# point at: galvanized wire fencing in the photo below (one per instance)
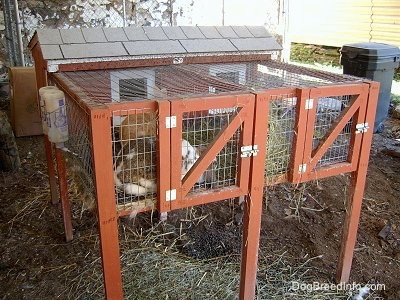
(12, 37)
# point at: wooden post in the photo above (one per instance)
(299, 134)
(65, 205)
(51, 170)
(41, 81)
(358, 179)
(253, 205)
(163, 159)
(106, 203)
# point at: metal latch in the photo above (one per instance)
(250, 150)
(362, 127)
(170, 122)
(302, 168)
(309, 103)
(170, 195)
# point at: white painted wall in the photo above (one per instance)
(339, 22)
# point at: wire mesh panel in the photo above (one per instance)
(273, 74)
(151, 12)
(95, 13)
(165, 82)
(79, 152)
(332, 140)
(199, 129)
(328, 112)
(12, 38)
(134, 144)
(281, 122)
(210, 148)
(180, 81)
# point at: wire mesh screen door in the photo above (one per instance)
(282, 132)
(141, 147)
(210, 149)
(334, 117)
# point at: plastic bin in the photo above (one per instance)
(377, 62)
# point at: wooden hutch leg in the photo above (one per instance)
(65, 204)
(41, 81)
(51, 170)
(250, 245)
(358, 179)
(351, 222)
(106, 203)
(253, 204)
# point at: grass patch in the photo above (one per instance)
(395, 99)
(315, 54)
(323, 55)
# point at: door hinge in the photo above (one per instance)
(250, 150)
(309, 103)
(170, 195)
(362, 127)
(170, 122)
(302, 168)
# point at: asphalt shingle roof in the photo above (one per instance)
(74, 43)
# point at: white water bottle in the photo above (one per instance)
(56, 110)
(43, 113)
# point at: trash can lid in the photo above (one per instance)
(371, 51)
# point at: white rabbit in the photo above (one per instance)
(190, 155)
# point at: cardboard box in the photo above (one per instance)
(25, 116)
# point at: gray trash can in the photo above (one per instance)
(377, 62)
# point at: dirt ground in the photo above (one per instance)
(301, 223)
(306, 221)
